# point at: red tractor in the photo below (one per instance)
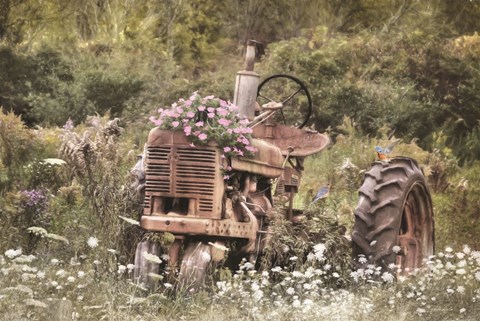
(187, 195)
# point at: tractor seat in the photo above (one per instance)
(304, 142)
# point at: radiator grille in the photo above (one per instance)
(158, 170)
(183, 172)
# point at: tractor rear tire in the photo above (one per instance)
(196, 263)
(394, 218)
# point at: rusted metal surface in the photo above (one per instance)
(303, 142)
(267, 161)
(199, 226)
(414, 227)
(181, 179)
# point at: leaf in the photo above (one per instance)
(54, 161)
(56, 237)
(219, 246)
(129, 220)
(35, 303)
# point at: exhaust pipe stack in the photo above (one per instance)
(246, 84)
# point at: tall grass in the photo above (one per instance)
(81, 266)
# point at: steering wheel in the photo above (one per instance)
(292, 93)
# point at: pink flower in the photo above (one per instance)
(251, 149)
(224, 122)
(157, 122)
(201, 108)
(244, 122)
(175, 124)
(202, 136)
(190, 114)
(227, 149)
(188, 103)
(225, 177)
(187, 130)
(194, 95)
(209, 97)
(199, 124)
(179, 110)
(222, 111)
(211, 115)
(223, 103)
(211, 109)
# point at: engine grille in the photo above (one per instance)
(184, 172)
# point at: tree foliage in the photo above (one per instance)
(409, 64)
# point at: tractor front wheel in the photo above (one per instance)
(146, 270)
(196, 263)
(394, 218)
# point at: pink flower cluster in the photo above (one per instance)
(204, 119)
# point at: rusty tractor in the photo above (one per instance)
(185, 193)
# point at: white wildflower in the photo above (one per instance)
(461, 271)
(388, 277)
(71, 279)
(92, 242)
(396, 249)
(462, 310)
(121, 269)
(477, 275)
(335, 275)
(362, 260)
(421, 311)
(54, 283)
(40, 275)
(167, 285)
(460, 255)
(165, 257)
(54, 261)
(448, 249)
(293, 258)
(311, 257)
(13, 253)
(130, 267)
(290, 291)
(461, 289)
(297, 274)
(80, 274)
(276, 269)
